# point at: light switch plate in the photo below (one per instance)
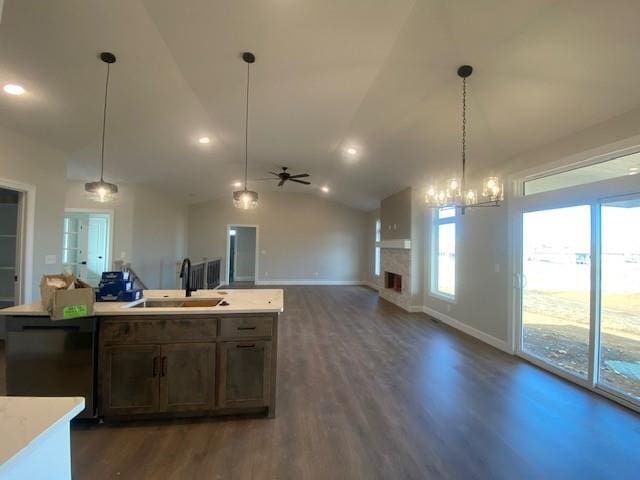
(50, 259)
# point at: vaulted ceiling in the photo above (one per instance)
(374, 75)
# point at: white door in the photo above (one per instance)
(85, 250)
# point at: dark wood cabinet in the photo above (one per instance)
(187, 380)
(245, 372)
(130, 379)
(157, 366)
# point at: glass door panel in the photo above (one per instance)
(620, 297)
(556, 287)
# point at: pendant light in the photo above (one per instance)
(455, 192)
(246, 199)
(102, 191)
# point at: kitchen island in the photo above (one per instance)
(167, 355)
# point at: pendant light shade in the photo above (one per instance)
(102, 191)
(246, 199)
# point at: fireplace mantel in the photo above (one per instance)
(403, 244)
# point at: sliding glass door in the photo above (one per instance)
(619, 362)
(579, 292)
(556, 313)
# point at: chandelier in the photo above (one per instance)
(455, 193)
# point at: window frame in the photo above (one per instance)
(434, 254)
(377, 252)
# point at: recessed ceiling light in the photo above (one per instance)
(351, 151)
(13, 89)
(633, 169)
(204, 140)
(237, 184)
(325, 189)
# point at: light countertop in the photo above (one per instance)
(23, 420)
(239, 300)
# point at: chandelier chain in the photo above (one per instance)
(104, 125)
(246, 132)
(464, 130)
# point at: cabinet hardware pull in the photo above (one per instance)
(247, 328)
(164, 366)
(155, 366)
(252, 345)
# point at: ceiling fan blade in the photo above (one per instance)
(281, 182)
(300, 181)
(300, 175)
(274, 173)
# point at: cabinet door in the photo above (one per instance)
(245, 369)
(130, 379)
(187, 381)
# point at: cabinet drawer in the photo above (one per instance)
(159, 330)
(246, 326)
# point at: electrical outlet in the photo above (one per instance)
(496, 268)
(266, 274)
(448, 308)
(316, 274)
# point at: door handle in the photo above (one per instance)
(164, 367)
(155, 366)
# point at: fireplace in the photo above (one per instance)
(393, 281)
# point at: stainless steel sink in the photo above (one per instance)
(175, 303)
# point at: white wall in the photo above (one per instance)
(27, 161)
(482, 242)
(149, 230)
(301, 237)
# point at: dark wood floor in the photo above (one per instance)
(368, 391)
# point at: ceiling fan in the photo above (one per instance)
(285, 176)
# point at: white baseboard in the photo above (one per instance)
(309, 282)
(371, 285)
(463, 327)
(244, 279)
(414, 309)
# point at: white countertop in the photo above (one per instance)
(23, 420)
(239, 300)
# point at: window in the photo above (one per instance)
(613, 168)
(376, 266)
(443, 254)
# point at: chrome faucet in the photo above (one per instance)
(187, 280)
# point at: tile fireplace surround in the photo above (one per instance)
(398, 261)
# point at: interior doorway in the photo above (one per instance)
(10, 246)
(242, 254)
(86, 244)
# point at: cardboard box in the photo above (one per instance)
(114, 287)
(127, 296)
(115, 276)
(66, 297)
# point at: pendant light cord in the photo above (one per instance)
(464, 131)
(246, 133)
(104, 123)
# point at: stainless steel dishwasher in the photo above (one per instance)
(48, 358)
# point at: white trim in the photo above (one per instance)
(227, 256)
(311, 282)
(414, 308)
(443, 296)
(244, 279)
(463, 327)
(28, 200)
(111, 214)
